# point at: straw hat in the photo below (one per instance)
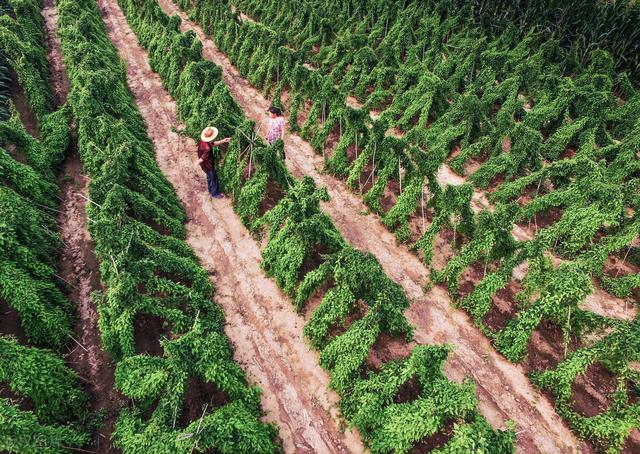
(209, 133)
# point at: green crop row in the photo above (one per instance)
(43, 408)
(152, 278)
(521, 114)
(305, 252)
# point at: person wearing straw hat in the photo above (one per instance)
(205, 158)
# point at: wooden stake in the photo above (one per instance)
(373, 177)
(198, 428)
(114, 264)
(566, 343)
(623, 260)
(422, 206)
(64, 280)
(88, 199)
(535, 216)
(82, 346)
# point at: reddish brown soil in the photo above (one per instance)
(617, 265)
(443, 249)
(633, 392)
(539, 427)
(10, 323)
(387, 348)
(471, 275)
(495, 183)
(148, 331)
(359, 311)
(367, 178)
(303, 113)
(15, 153)
(546, 347)
(471, 164)
(79, 267)
(265, 331)
(59, 79)
(408, 392)
(332, 139)
(542, 220)
(435, 441)
(21, 104)
(273, 195)
(352, 155)
(504, 307)
(200, 395)
(418, 224)
(632, 445)
(591, 390)
(313, 261)
(390, 195)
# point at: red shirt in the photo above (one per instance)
(205, 152)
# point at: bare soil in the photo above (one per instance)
(58, 77)
(200, 396)
(504, 390)
(273, 195)
(78, 265)
(387, 348)
(22, 106)
(504, 307)
(10, 323)
(546, 347)
(263, 327)
(591, 390)
(435, 441)
(148, 330)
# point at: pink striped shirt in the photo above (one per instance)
(276, 128)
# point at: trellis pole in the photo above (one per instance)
(422, 205)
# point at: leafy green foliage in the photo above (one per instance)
(521, 99)
(47, 409)
(147, 268)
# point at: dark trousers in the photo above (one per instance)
(212, 182)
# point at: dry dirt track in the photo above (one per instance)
(503, 388)
(264, 329)
(78, 265)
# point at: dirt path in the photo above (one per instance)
(261, 323)
(78, 264)
(503, 388)
(58, 73)
(80, 268)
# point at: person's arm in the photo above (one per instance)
(220, 142)
(211, 145)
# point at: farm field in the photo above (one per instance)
(441, 255)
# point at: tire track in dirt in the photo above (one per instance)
(78, 264)
(265, 331)
(504, 390)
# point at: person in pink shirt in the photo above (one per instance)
(276, 125)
